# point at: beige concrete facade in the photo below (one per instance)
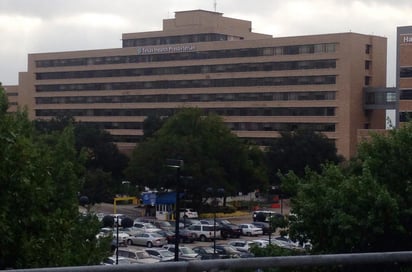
(259, 84)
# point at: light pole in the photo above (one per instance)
(215, 193)
(178, 164)
(127, 186)
(117, 239)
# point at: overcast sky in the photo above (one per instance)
(35, 26)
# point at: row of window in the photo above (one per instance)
(257, 141)
(199, 83)
(162, 98)
(406, 72)
(212, 54)
(243, 126)
(191, 38)
(301, 111)
(198, 69)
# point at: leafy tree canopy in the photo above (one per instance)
(39, 180)
(365, 206)
(297, 150)
(212, 155)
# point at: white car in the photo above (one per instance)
(242, 245)
(188, 213)
(250, 230)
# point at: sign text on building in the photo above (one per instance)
(406, 38)
(165, 49)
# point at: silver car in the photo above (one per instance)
(147, 239)
(162, 255)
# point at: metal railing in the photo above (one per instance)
(400, 257)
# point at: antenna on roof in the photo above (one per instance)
(214, 5)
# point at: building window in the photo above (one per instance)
(367, 64)
(367, 80)
(368, 48)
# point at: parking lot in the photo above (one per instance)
(247, 217)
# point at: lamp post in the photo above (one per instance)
(178, 164)
(219, 192)
(117, 239)
(127, 183)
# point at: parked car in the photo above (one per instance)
(163, 255)
(148, 239)
(250, 230)
(228, 229)
(132, 230)
(232, 252)
(189, 221)
(138, 256)
(285, 242)
(242, 245)
(185, 236)
(207, 253)
(185, 253)
(188, 213)
(204, 232)
(164, 225)
(145, 227)
(120, 260)
(264, 216)
(264, 226)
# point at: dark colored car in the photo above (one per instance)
(264, 226)
(232, 252)
(228, 229)
(207, 253)
(185, 237)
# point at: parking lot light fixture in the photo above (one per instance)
(178, 164)
(219, 192)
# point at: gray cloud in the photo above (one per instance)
(29, 26)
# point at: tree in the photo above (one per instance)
(297, 150)
(104, 163)
(39, 180)
(151, 124)
(212, 155)
(362, 207)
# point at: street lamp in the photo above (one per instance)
(219, 192)
(127, 183)
(178, 164)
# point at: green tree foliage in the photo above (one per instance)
(363, 207)
(151, 124)
(212, 155)
(4, 103)
(104, 163)
(39, 180)
(297, 150)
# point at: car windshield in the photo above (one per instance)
(186, 250)
(165, 224)
(208, 250)
(150, 226)
(224, 221)
(142, 255)
(166, 253)
(156, 235)
(230, 249)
